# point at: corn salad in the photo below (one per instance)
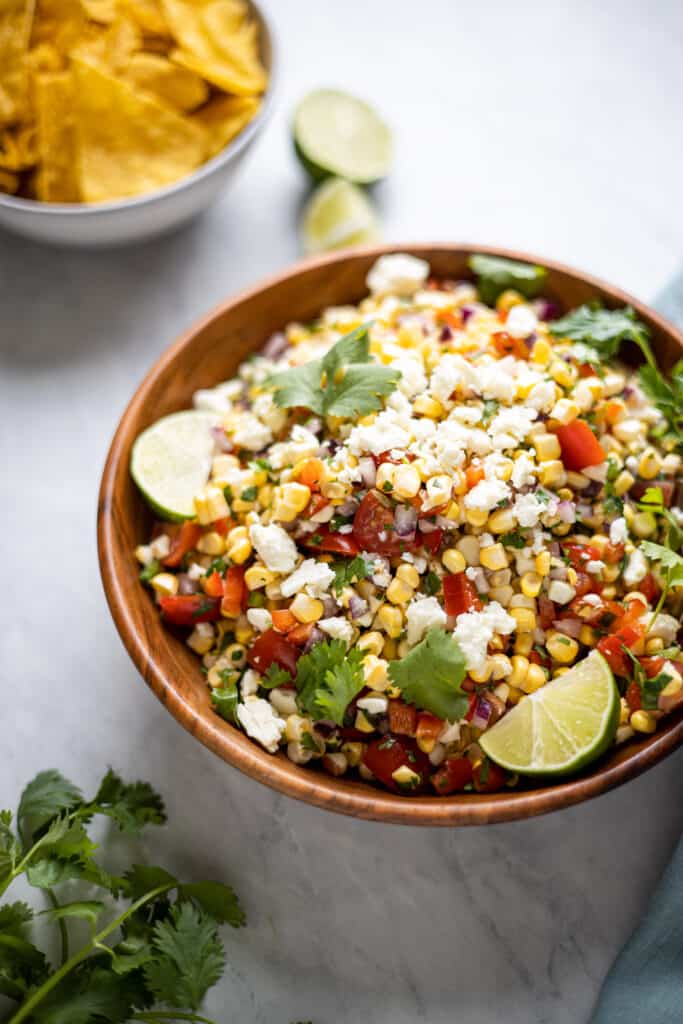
(496, 487)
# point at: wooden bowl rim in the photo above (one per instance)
(358, 800)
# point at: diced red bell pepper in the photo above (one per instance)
(283, 620)
(213, 584)
(649, 588)
(189, 609)
(652, 666)
(271, 647)
(460, 594)
(488, 777)
(580, 554)
(452, 776)
(301, 633)
(506, 345)
(472, 706)
(185, 540)
(580, 447)
(383, 756)
(325, 540)
(402, 718)
(222, 526)
(632, 696)
(613, 553)
(431, 541)
(613, 648)
(234, 592)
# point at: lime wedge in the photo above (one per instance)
(171, 460)
(337, 214)
(338, 134)
(561, 727)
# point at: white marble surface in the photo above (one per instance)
(549, 126)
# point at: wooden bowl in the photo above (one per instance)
(211, 352)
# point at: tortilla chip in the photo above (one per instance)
(110, 47)
(44, 57)
(148, 16)
(224, 117)
(9, 182)
(18, 148)
(219, 41)
(15, 32)
(61, 23)
(173, 85)
(103, 11)
(57, 178)
(128, 142)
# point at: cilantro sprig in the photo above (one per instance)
(430, 676)
(346, 382)
(495, 273)
(672, 567)
(328, 678)
(653, 501)
(162, 949)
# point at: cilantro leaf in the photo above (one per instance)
(22, 966)
(131, 805)
(142, 878)
(345, 382)
(650, 690)
(188, 957)
(668, 559)
(275, 676)
(514, 539)
(87, 910)
(603, 329)
(328, 678)
(225, 699)
(92, 994)
(430, 676)
(62, 853)
(346, 573)
(150, 570)
(495, 274)
(653, 501)
(217, 900)
(431, 584)
(9, 846)
(667, 396)
(46, 796)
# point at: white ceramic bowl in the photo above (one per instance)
(146, 216)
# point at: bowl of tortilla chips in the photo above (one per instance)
(122, 119)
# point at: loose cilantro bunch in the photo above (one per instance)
(495, 274)
(430, 676)
(345, 382)
(604, 330)
(162, 950)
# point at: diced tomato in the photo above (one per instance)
(488, 777)
(317, 503)
(394, 460)
(338, 543)
(385, 755)
(506, 345)
(283, 620)
(431, 541)
(373, 528)
(311, 473)
(613, 553)
(453, 318)
(580, 554)
(586, 584)
(271, 647)
(460, 594)
(546, 612)
(652, 666)
(453, 775)
(402, 718)
(474, 474)
(189, 609)
(429, 726)
(213, 585)
(221, 526)
(632, 696)
(580, 447)
(301, 633)
(184, 541)
(234, 592)
(649, 588)
(586, 370)
(613, 648)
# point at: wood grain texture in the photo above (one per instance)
(211, 352)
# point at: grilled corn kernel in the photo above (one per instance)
(243, 630)
(221, 674)
(295, 727)
(375, 672)
(454, 560)
(390, 619)
(240, 551)
(306, 609)
(547, 447)
(399, 592)
(588, 636)
(493, 557)
(425, 405)
(561, 648)
(334, 490)
(165, 584)
(353, 752)
(373, 643)
(265, 495)
(476, 516)
(531, 583)
(390, 649)
(674, 686)
(502, 594)
(563, 373)
(644, 524)
(564, 411)
(481, 675)
(642, 721)
(654, 646)
(577, 480)
(552, 474)
(541, 352)
(501, 666)
(284, 701)
(649, 465)
(623, 483)
(515, 695)
(572, 579)
(452, 510)
(520, 667)
(624, 712)
(258, 576)
(524, 643)
(211, 543)
(384, 480)
(534, 679)
(289, 501)
(468, 547)
(362, 723)
(507, 299)
(201, 638)
(409, 575)
(501, 521)
(525, 619)
(210, 505)
(542, 563)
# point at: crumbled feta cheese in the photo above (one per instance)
(314, 576)
(523, 471)
(249, 683)
(338, 628)
(511, 426)
(258, 719)
(385, 432)
(542, 396)
(196, 571)
(260, 619)
(446, 377)
(398, 273)
(217, 400)
(423, 614)
(373, 705)
(274, 546)
(413, 378)
(161, 546)
(487, 494)
(595, 566)
(561, 592)
(665, 627)
(250, 433)
(521, 322)
(495, 381)
(302, 444)
(474, 632)
(527, 510)
(636, 568)
(618, 531)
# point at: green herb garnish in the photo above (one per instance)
(249, 493)
(430, 676)
(150, 570)
(275, 676)
(514, 539)
(495, 274)
(653, 501)
(346, 573)
(328, 678)
(431, 584)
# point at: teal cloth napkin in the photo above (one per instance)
(645, 984)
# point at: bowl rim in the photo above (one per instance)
(316, 788)
(205, 170)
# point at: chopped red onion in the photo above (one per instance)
(569, 627)
(186, 585)
(554, 548)
(368, 471)
(405, 521)
(358, 607)
(330, 607)
(446, 333)
(348, 507)
(426, 526)
(275, 346)
(566, 511)
(584, 511)
(545, 309)
(467, 312)
(482, 713)
(316, 636)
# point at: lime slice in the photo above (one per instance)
(171, 460)
(561, 727)
(337, 214)
(338, 134)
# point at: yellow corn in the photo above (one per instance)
(211, 543)
(542, 563)
(476, 516)
(306, 609)
(525, 619)
(535, 678)
(501, 666)
(493, 557)
(563, 373)
(362, 723)
(654, 646)
(588, 636)
(481, 675)
(243, 630)
(372, 642)
(565, 411)
(547, 447)
(375, 672)
(530, 584)
(541, 352)
(201, 640)
(399, 592)
(623, 483)
(240, 551)
(453, 560)
(642, 721)
(289, 501)
(501, 521)
(165, 584)
(353, 752)
(258, 576)
(334, 490)
(524, 643)
(425, 405)
(650, 464)
(644, 524)
(453, 510)
(552, 474)
(210, 504)
(561, 648)
(409, 575)
(384, 480)
(520, 667)
(507, 299)
(390, 619)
